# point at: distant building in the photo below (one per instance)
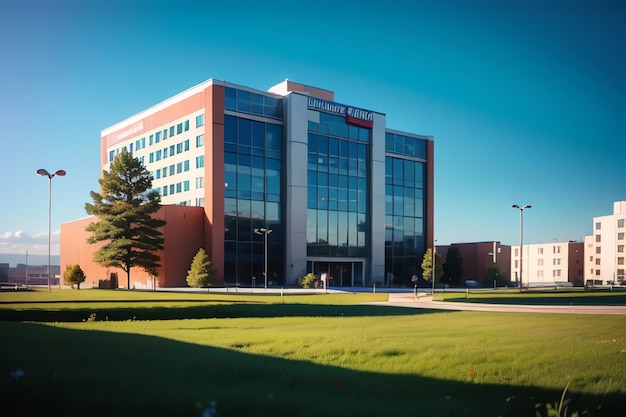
(548, 264)
(605, 253)
(341, 193)
(479, 257)
(4, 272)
(33, 274)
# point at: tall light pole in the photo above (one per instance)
(434, 263)
(264, 231)
(521, 239)
(43, 173)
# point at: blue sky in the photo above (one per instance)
(526, 100)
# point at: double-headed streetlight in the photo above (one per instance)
(42, 172)
(521, 238)
(264, 231)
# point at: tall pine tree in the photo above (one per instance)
(124, 209)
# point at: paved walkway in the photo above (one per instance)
(426, 301)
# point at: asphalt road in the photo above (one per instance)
(425, 301)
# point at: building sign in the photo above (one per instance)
(353, 115)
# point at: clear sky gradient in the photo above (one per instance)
(526, 100)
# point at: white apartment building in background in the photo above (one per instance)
(605, 249)
(548, 264)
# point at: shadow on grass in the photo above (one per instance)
(544, 299)
(231, 310)
(97, 373)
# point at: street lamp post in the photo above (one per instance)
(264, 231)
(43, 173)
(521, 239)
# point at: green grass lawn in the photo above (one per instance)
(538, 296)
(317, 355)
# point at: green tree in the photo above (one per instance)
(124, 209)
(74, 275)
(452, 268)
(201, 273)
(493, 274)
(427, 266)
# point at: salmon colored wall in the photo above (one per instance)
(312, 91)
(214, 176)
(151, 122)
(183, 234)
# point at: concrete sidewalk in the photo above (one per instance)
(426, 301)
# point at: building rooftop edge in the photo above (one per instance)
(161, 105)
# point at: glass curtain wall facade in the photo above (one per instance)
(253, 165)
(405, 241)
(337, 198)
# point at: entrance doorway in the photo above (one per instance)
(341, 274)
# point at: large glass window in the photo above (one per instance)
(337, 189)
(404, 216)
(252, 176)
(405, 145)
(253, 103)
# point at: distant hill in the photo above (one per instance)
(14, 258)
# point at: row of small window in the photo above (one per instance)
(172, 169)
(252, 137)
(555, 261)
(336, 126)
(252, 103)
(405, 145)
(404, 172)
(555, 250)
(168, 132)
(173, 188)
(620, 260)
(620, 224)
(620, 276)
(169, 151)
(620, 236)
(555, 273)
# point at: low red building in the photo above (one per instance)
(478, 257)
(183, 234)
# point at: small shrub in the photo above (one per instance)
(307, 281)
(74, 275)
(201, 273)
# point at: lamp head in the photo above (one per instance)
(44, 173)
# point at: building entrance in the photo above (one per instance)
(341, 274)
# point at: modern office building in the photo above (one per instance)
(553, 263)
(289, 181)
(605, 253)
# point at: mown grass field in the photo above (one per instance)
(541, 296)
(297, 356)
